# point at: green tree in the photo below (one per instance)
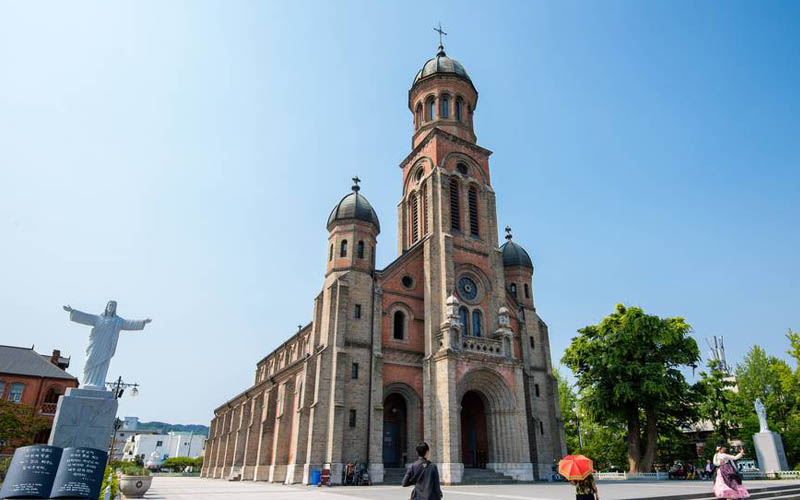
(773, 381)
(604, 443)
(716, 390)
(19, 424)
(631, 364)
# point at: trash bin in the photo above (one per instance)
(316, 477)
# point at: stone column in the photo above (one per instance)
(251, 441)
(265, 437)
(295, 472)
(239, 435)
(282, 433)
(448, 446)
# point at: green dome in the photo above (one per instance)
(354, 207)
(514, 255)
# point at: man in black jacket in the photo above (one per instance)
(424, 475)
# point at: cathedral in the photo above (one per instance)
(444, 344)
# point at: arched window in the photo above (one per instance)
(459, 109)
(372, 254)
(399, 325)
(444, 106)
(52, 395)
(15, 392)
(513, 288)
(527, 291)
(343, 249)
(360, 250)
(463, 316)
(455, 216)
(414, 218)
(418, 115)
(330, 254)
(476, 323)
(473, 211)
(430, 109)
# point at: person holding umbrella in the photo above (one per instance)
(578, 470)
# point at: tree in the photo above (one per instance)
(19, 424)
(631, 364)
(716, 389)
(604, 443)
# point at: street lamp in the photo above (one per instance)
(118, 388)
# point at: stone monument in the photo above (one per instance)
(85, 416)
(768, 444)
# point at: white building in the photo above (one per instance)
(163, 446)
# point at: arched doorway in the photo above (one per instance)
(474, 436)
(395, 430)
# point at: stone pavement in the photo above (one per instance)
(191, 488)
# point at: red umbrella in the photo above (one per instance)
(575, 467)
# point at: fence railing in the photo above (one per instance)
(482, 345)
(48, 408)
(659, 476)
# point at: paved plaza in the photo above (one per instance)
(186, 488)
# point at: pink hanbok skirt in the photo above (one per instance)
(722, 490)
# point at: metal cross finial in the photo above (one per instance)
(299, 327)
(508, 233)
(441, 32)
(356, 180)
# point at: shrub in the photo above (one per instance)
(130, 469)
(114, 485)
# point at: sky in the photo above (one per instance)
(182, 159)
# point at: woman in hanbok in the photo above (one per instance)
(727, 480)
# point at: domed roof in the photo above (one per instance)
(513, 254)
(441, 64)
(354, 206)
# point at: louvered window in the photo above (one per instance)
(473, 211)
(423, 194)
(455, 216)
(414, 218)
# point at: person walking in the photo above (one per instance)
(424, 475)
(586, 489)
(709, 470)
(728, 480)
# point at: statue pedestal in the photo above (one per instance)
(769, 451)
(84, 417)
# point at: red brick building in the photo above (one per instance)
(443, 344)
(33, 379)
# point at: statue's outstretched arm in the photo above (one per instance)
(81, 317)
(135, 324)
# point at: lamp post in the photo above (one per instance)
(118, 388)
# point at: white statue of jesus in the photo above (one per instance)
(102, 341)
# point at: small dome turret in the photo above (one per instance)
(514, 254)
(354, 206)
(441, 64)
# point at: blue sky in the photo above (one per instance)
(182, 158)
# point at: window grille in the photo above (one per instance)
(473, 211)
(454, 206)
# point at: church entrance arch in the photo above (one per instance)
(474, 435)
(489, 425)
(401, 424)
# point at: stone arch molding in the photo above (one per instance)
(413, 415)
(491, 387)
(456, 156)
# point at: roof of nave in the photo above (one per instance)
(27, 362)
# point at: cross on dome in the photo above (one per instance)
(441, 41)
(508, 233)
(356, 180)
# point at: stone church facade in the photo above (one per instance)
(444, 344)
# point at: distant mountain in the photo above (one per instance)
(163, 428)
